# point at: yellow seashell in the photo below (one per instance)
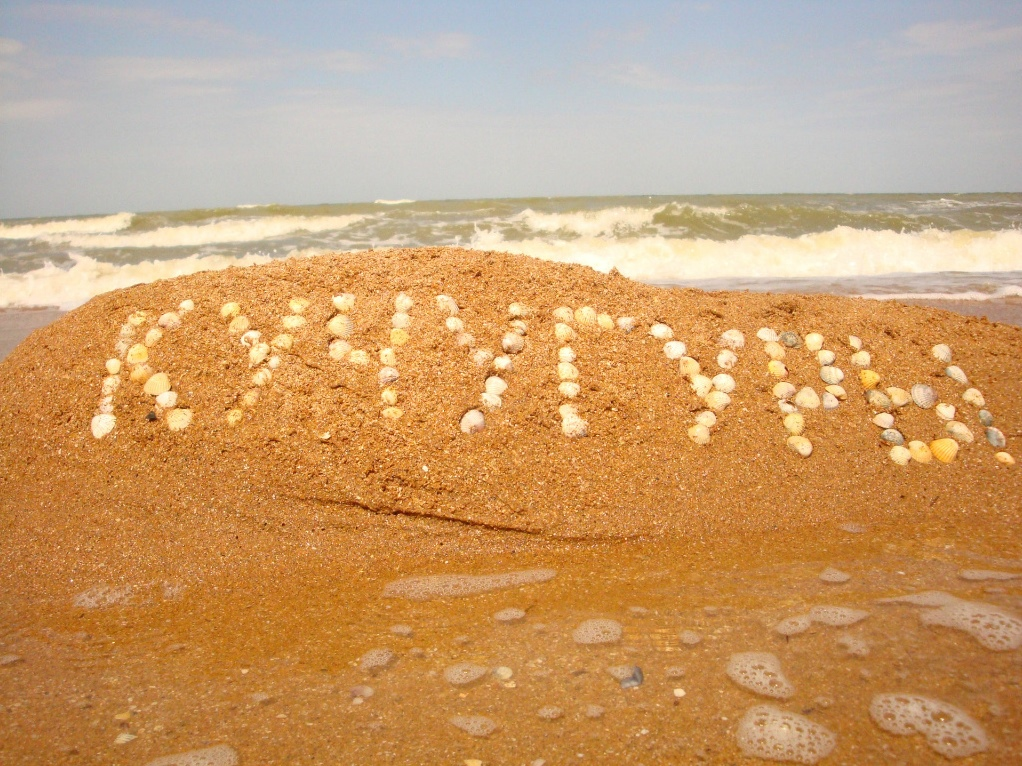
(392, 413)
(340, 326)
(157, 384)
(699, 433)
(388, 357)
(586, 315)
(238, 325)
(179, 419)
(294, 322)
(563, 332)
(257, 354)
(920, 452)
(944, 449)
(398, 336)
(777, 368)
(298, 305)
(234, 417)
(359, 357)
(283, 342)
(801, 445)
(137, 354)
(838, 392)
(389, 395)
(605, 321)
(113, 366)
(689, 366)
(230, 310)
(250, 398)
(869, 379)
(563, 314)
(567, 371)
(141, 373)
(345, 302)
(794, 423)
(137, 319)
(262, 377)
(774, 350)
(1004, 457)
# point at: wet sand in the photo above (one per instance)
(233, 578)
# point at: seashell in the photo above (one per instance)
(564, 333)
(250, 338)
(794, 423)
(985, 418)
(454, 324)
(585, 315)
(868, 379)
(157, 384)
(520, 327)
(567, 371)
(565, 354)
(899, 396)
(238, 325)
(861, 359)
(491, 401)
(974, 397)
(169, 321)
(700, 434)
(449, 306)
(495, 385)
(482, 357)
(465, 340)
(945, 411)
(273, 362)
(626, 323)
(518, 310)
(398, 337)
(257, 354)
(767, 335)
(727, 359)
(814, 341)
(283, 342)
(605, 321)
(923, 395)
(186, 305)
(959, 431)
(688, 366)
(563, 314)
(855, 342)
(878, 399)
(717, 400)
(723, 382)
(892, 436)
(110, 384)
(250, 398)
(675, 349)
(825, 357)
(403, 303)
(472, 422)
(154, 336)
(774, 350)
(942, 353)
(661, 331)
(401, 321)
(344, 303)
(503, 364)
(179, 419)
(996, 438)
(777, 368)
(569, 389)
(701, 385)
(883, 420)
(920, 451)
(230, 310)
(567, 409)
(801, 445)
(234, 417)
(830, 402)
(298, 305)
(831, 375)
(103, 424)
(297, 322)
(574, 427)
(340, 325)
(140, 373)
(900, 455)
(790, 339)
(513, 343)
(106, 406)
(387, 357)
(167, 400)
(121, 348)
(113, 366)
(706, 418)
(786, 407)
(944, 449)
(956, 374)
(262, 377)
(392, 413)
(732, 339)
(838, 392)
(389, 395)
(806, 398)
(784, 390)
(137, 319)
(137, 354)
(1005, 458)
(359, 357)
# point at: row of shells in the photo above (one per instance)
(714, 392)
(263, 358)
(512, 343)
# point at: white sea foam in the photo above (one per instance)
(233, 230)
(588, 223)
(392, 201)
(1007, 291)
(106, 224)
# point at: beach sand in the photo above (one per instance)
(220, 584)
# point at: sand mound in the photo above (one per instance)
(337, 388)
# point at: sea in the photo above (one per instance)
(963, 247)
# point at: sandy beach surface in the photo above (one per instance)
(231, 583)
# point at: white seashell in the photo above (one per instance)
(154, 336)
(262, 377)
(838, 392)
(569, 389)
(974, 397)
(706, 418)
(388, 358)
(732, 339)
(675, 349)
(249, 399)
(626, 323)
(806, 398)
(169, 321)
(491, 401)
(298, 305)
(403, 303)
(400, 321)
(503, 364)
(566, 354)
(794, 423)
(137, 354)
(899, 396)
(106, 405)
(157, 384)
(661, 331)
(723, 382)
(448, 305)
(956, 374)
(605, 321)
(923, 395)
(563, 314)
(520, 327)
(338, 349)
(482, 357)
(472, 422)
(238, 325)
(786, 407)
(701, 385)
(945, 411)
(784, 390)
(340, 326)
(344, 302)
(121, 348)
(179, 419)
(186, 305)
(855, 342)
(688, 366)
(996, 438)
(959, 432)
(878, 399)
(825, 357)
(831, 375)
(257, 354)
(574, 427)
(920, 451)
(110, 384)
(519, 310)
(774, 350)
(861, 359)
(296, 322)
(563, 333)
(230, 310)
(167, 400)
(985, 418)
(777, 368)
(283, 342)
(942, 353)
(727, 359)
(700, 434)
(137, 319)
(359, 357)
(567, 409)
(103, 424)
(389, 395)
(801, 445)
(900, 455)
(250, 338)
(113, 366)
(392, 413)
(454, 324)
(495, 385)
(466, 340)
(883, 420)
(567, 371)
(830, 402)
(585, 315)
(273, 362)
(513, 343)
(767, 335)
(814, 341)
(717, 400)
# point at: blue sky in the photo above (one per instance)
(146, 106)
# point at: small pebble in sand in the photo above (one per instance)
(376, 659)
(401, 630)
(594, 711)
(362, 692)
(831, 575)
(9, 659)
(550, 713)
(689, 637)
(510, 615)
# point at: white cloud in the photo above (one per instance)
(952, 38)
(33, 109)
(9, 47)
(445, 45)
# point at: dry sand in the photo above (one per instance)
(264, 546)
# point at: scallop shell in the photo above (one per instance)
(786, 407)
(701, 385)
(140, 373)
(250, 398)
(387, 357)
(956, 374)
(861, 359)
(627, 324)
(345, 302)
(389, 395)
(569, 389)
(777, 368)
(465, 340)
(250, 338)
(899, 396)
(563, 333)
(110, 384)
(258, 353)
(399, 337)
(923, 395)
(340, 326)
(727, 359)
(794, 423)
(837, 392)
(472, 422)
(699, 433)
(814, 341)
(831, 375)
(766, 334)
(403, 303)
(359, 357)
(454, 324)
(900, 455)
(495, 385)
(942, 353)
(959, 431)
(883, 420)
(717, 400)
(482, 357)
(675, 349)
(186, 305)
(825, 357)
(878, 399)
(230, 310)
(273, 362)
(801, 445)
(283, 342)
(830, 402)
(503, 364)
(605, 321)
(234, 417)
(449, 306)
(298, 305)
(566, 354)
(519, 311)
(392, 413)
(491, 401)
(563, 314)
(774, 350)
(157, 384)
(169, 321)
(688, 366)
(706, 418)
(996, 438)
(585, 315)
(102, 425)
(401, 321)
(855, 342)
(520, 327)
(985, 418)
(167, 400)
(732, 339)
(113, 366)
(137, 354)
(944, 449)
(262, 377)
(661, 331)
(974, 397)
(945, 411)
(1005, 458)
(920, 452)
(892, 436)
(724, 382)
(790, 339)
(294, 322)
(154, 336)
(567, 371)
(179, 419)
(806, 398)
(513, 343)
(783, 390)
(567, 409)
(574, 427)
(868, 379)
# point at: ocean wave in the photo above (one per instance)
(588, 223)
(106, 224)
(393, 201)
(1001, 293)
